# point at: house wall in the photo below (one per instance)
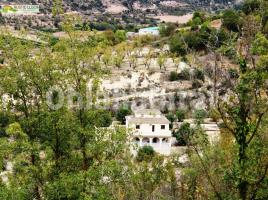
(162, 147)
(149, 32)
(146, 130)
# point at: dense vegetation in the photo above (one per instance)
(70, 153)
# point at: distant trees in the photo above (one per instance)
(177, 45)
(167, 29)
(182, 42)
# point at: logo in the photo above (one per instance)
(7, 9)
(19, 9)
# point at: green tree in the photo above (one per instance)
(244, 118)
(122, 113)
(231, 20)
(200, 115)
(183, 134)
(180, 114)
(161, 60)
(120, 36)
(167, 29)
(177, 45)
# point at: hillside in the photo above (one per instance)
(118, 6)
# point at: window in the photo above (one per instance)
(165, 140)
(136, 140)
(163, 127)
(152, 128)
(156, 140)
(137, 126)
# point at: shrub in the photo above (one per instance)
(184, 75)
(183, 134)
(98, 118)
(231, 20)
(122, 113)
(221, 39)
(167, 29)
(195, 40)
(200, 115)
(171, 117)
(200, 15)
(120, 36)
(199, 74)
(173, 76)
(180, 114)
(214, 114)
(53, 41)
(145, 153)
(177, 45)
(250, 6)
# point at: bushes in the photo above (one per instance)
(53, 41)
(199, 74)
(122, 113)
(173, 76)
(120, 36)
(102, 26)
(171, 117)
(195, 40)
(183, 134)
(199, 115)
(250, 6)
(190, 39)
(184, 74)
(145, 153)
(177, 45)
(98, 118)
(214, 114)
(180, 114)
(167, 29)
(231, 20)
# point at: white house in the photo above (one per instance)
(150, 127)
(149, 31)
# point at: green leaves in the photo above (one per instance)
(260, 45)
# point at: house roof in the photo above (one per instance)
(148, 112)
(148, 120)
